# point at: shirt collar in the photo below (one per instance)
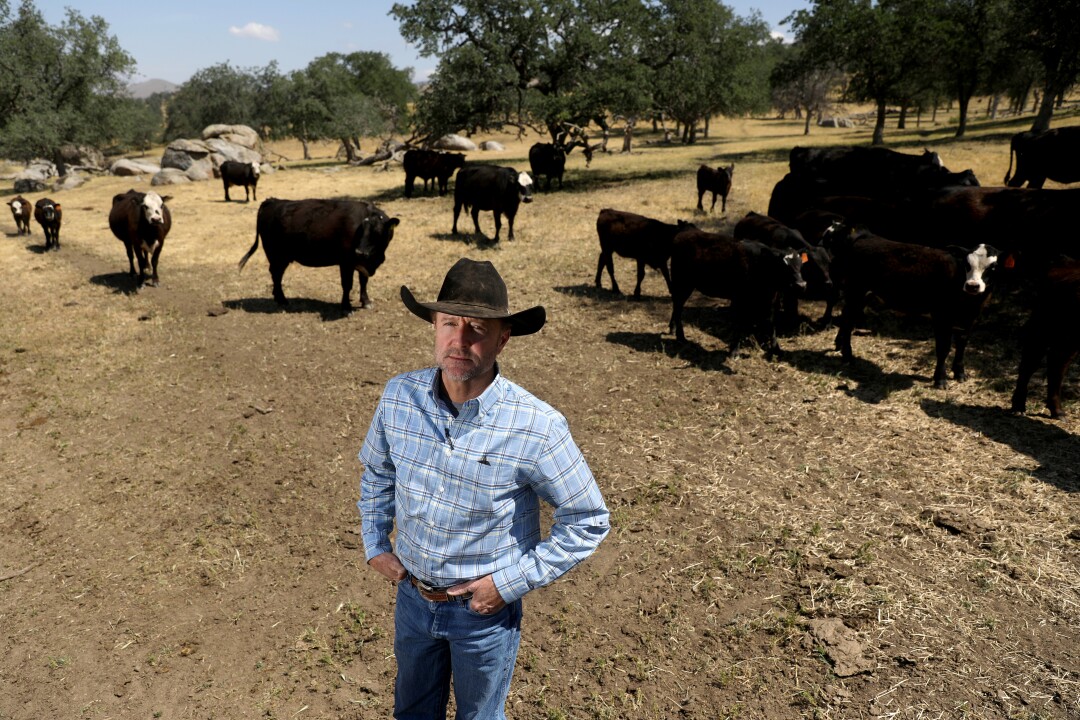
(483, 403)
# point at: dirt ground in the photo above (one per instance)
(798, 538)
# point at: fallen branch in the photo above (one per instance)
(17, 573)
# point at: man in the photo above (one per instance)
(457, 456)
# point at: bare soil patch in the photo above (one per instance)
(799, 538)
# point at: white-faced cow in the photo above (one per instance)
(637, 237)
(750, 274)
(351, 234)
(430, 165)
(1051, 332)
(141, 221)
(717, 181)
(21, 212)
(48, 215)
(1051, 155)
(949, 285)
(240, 173)
(491, 187)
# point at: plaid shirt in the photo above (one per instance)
(464, 491)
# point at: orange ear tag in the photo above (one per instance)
(805, 257)
(1010, 262)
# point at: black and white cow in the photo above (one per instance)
(491, 187)
(48, 215)
(141, 221)
(240, 173)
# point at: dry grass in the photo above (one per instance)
(182, 485)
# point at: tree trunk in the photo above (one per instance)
(806, 125)
(964, 101)
(1046, 111)
(307, 152)
(628, 135)
(901, 123)
(350, 152)
(994, 102)
(705, 130)
(879, 125)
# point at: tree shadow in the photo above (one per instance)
(327, 311)
(689, 351)
(1056, 450)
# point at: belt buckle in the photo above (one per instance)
(425, 587)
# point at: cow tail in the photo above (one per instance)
(254, 247)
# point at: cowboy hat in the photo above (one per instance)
(474, 288)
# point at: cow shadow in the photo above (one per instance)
(121, 283)
(38, 249)
(296, 306)
(602, 294)
(479, 241)
(693, 354)
(1056, 450)
(872, 385)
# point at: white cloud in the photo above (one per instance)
(257, 31)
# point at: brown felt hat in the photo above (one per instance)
(474, 288)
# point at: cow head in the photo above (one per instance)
(793, 261)
(153, 208)
(16, 205)
(48, 209)
(525, 184)
(375, 231)
(932, 158)
(979, 262)
(255, 170)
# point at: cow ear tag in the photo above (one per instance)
(804, 257)
(1010, 262)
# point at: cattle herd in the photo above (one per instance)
(843, 224)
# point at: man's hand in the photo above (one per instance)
(388, 565)
(486, 599)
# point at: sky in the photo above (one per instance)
(171, 40)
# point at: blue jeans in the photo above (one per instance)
(437, 641)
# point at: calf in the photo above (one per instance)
(351, 234)
(750, 274)
(491, 187)
(1050, 155)
(141, 221)
(239, 173)
(816, 262)
(638, 237)
(714, 180)
(1051, 332)
(549, 160)
(20, 210)
(949, 285)
(48, 216)
(428, 165)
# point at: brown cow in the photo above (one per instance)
(1051, 332)
(637, 237)
(141, 221)
(21, 211)
(428, 165)
(714, 180)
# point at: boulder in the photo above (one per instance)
(491, 145)
(70, 181)
(201, 169)
(170, 176)
(35, 177)
(82, 156)
(836, 122)
(126, 167)
(29, 185)
(241, 135)
(225, 150)
(454, 142)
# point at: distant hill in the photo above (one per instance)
(147, 88)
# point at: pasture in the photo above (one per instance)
(791, 538)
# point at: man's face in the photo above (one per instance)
(466, 348)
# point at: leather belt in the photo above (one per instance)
(435, 594)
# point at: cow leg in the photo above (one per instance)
(1057, 362)
(277, 272)
(246, 198)
(410, 180)
(667, 276)
(943, 334)
(457, 211)
(498, 226)
(700, 195)
(723, 203)
(958, 371)
(227, 191)
(131, 258)
(476, 222)
(154, 262)
(509, 224)
(640, 277)
(678, 299)
(606, 260)
(253, 195)
(365, 301)
(713, 206)
(346, 288)
(850, 316)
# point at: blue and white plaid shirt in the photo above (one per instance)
(464, 491)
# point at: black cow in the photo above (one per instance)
(637, 237)
(48, 215)
(950, 285)
(491, 187)
(240, 173)
(1051, 155)
(351, 234)
(549, 160)
(750, 274)
(21, 212)
(141, 221)
(816, 262)
(428, 165)
(1051, 332)
(717, 181)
